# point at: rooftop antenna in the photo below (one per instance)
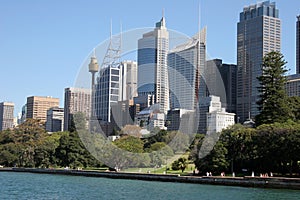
(110, 29)
(199, 22)
(121, 33)
(163, 12)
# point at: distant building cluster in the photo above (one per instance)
(170, 89)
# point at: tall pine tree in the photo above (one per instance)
(273, 102)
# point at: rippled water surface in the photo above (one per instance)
(45, 186)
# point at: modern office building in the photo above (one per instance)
(107, 93)
(176, 120)
(153, 50)
(76, 100)
(216, 69)
(37, 107)
(298, 45)
(144, 100)
(55, 120)
(187, 72)
(6, 115)
(128, 72)
(258, 32)
(292, 86)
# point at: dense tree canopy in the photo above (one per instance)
(273, 102)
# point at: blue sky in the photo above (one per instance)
(44, 43)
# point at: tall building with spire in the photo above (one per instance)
(186, 68)
(153, 50)
(298, 45)
(258, 32)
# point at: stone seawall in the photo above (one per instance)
(271, 182)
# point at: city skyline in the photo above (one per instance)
(39, 48)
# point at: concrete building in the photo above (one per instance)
(207, 105)
(298, 45)
(258, 32)
(122, 114)
(227, 73)
(213, 118)
(292, 87)
(55, 120)
(76, 100)
(153, 50)
(6, 115)
(187, 72)
(128, 80)
(37, 107)
(219, 120)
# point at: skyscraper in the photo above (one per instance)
(107, 93)
(186, 70)
(37, 107)
(153, 50)
(128, 77)
(258, 32)
(298, 44)
(228, 75)
(6, 115)
(76, 100)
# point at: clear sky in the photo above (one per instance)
(44, 43)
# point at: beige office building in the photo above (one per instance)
(76, 100)
(37, 107)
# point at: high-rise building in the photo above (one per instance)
(186, 72)
(153, 50)
(128, 78)
(298, 44)
(227, 73)
(107, 93)
(6, 115)
(76, 100)
(258, 32)
(292, 86)
(37, 107)
(55, 120)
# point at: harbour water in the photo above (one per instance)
(15, 185)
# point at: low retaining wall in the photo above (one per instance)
(271, 182)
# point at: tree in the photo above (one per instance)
(294, 103)
(215, 161)
(272, 103)
(181, 164)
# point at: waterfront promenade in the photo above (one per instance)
(260, 182)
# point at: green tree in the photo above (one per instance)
(181, 164)
(273, 98)
(215, 161)
(294, 104)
